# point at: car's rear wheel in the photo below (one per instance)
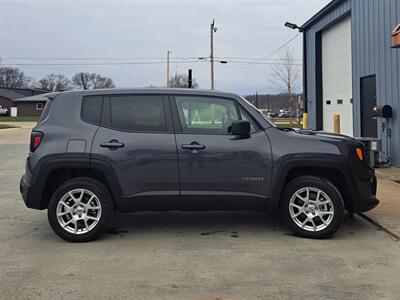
(80, 210)
(312, 207)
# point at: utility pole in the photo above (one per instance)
(83, 81)
(168, 54)
(256, 99)
(212, 30)
(190, 79)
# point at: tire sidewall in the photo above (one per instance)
(323, 185)
(106, 208)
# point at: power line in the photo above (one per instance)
(136, 58)
(268, 56)
(101, 63)
(95, 58)
(143, 63)
(255, 58)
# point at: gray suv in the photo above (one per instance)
(93, 152)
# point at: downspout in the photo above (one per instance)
(304, 71)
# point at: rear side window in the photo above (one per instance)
(91, 109)
(144, 113)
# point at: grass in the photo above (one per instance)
(19, 119)
(288, 125)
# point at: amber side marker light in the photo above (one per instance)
(359, 153)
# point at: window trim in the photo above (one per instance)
(107, 114)
(177, 121)
(37, 106)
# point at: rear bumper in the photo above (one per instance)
(30, 194)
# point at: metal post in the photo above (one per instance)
(336, 123)
(305, 120)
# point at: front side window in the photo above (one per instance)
(143, 113)
(206, 114)
(245, 116)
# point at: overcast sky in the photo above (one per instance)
(143, 31)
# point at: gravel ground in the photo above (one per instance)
(204, 255)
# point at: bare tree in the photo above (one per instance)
(13, 78)
(88, 81)
(181, 81)
(55, 83)
(287, 76)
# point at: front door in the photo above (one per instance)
(137, 139)
(369, 125)
(218, 170)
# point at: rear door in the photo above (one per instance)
(218, 170)
(137, 139)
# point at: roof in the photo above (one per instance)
(35, 98)
(9, 94)
(396, 30)
(144, 91)
(320, 14)
(15, 93)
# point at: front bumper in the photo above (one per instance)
(366, 192)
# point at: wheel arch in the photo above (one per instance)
(332, 169)
(54, 171)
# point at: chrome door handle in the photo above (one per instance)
(112, 144)
(193, 147)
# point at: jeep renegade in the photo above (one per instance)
(93, 152)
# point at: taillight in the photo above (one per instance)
(36, 140)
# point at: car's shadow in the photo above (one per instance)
(212, 222)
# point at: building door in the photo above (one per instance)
(369, 125)
(337, 87)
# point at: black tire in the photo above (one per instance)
(317, 183)
(103, 197)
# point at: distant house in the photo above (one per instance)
(31, 106)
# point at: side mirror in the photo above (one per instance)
(241, 128)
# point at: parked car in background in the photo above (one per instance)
(274, 115)
(3, 111)
(93, 152)
(284, 115)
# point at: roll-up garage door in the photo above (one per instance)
(337, 76)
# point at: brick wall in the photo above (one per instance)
(6, 103)
(29, 108)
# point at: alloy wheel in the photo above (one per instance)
(311, 209)
(78, 211)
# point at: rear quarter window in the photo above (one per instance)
(91, 109)
(45, 111)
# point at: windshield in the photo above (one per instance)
(264, 116)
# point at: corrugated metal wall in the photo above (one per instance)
(310, 35)
(372, 22)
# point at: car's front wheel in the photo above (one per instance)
(80, 210)
(312, 207)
